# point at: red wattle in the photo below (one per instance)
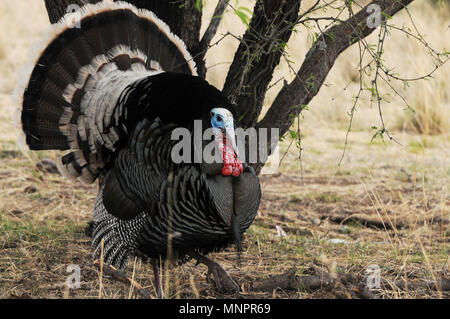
(231, 164)
(227, 170)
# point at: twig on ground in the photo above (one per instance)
(343, 284)
(120, 276)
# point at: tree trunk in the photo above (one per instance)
(183, 18)
(56, 9)
(258, 54)
(260, 51)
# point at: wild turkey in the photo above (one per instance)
(112, 87)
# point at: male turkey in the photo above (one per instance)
(111, 86)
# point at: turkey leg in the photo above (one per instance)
(222, 279)
(158, 279)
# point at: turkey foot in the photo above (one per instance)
(222, 279)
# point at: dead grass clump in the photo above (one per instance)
(431, 111)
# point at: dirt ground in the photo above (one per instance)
(387, 206)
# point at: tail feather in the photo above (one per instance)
(70, 97)
(120, 237)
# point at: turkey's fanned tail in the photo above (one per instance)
(69, 95)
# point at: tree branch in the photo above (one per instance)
(319, 61)
(209, 34)
(258, 54)
(214, 24)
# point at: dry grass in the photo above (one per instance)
(384, 213)
(430, 114)
(389, 204)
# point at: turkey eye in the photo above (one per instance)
(219, 118)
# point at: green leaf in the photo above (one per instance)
(244, 14)
(243, 17)
(246, 9)
(372, 90)
(387, 16)
(294, 134)
(445, 53)
(199, 5)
